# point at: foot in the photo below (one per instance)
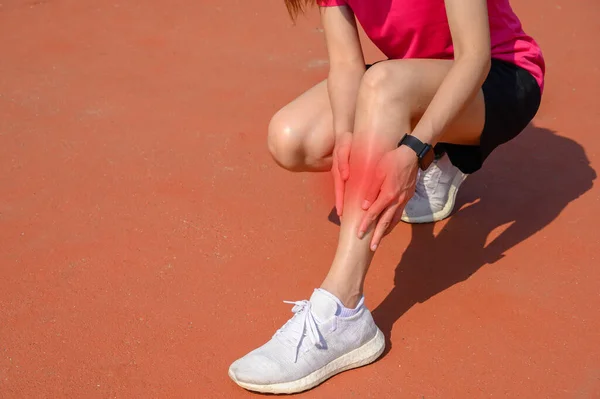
(314, 345)
(435, 194)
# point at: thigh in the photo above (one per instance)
(512, 98)
(414, 82)
(308, 121)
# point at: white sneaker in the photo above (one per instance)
(435, 193)
(314, 345)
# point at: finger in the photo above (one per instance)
(385, 221)
(343, 161)
(340, 197)
(402, 201)
(395, 220)
(374, 189)
(382, 202)
(339, 190)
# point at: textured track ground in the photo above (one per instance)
(147, 239)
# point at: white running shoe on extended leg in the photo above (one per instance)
(315, 344)
(435, 193)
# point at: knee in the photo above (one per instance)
(285, 143)
(387, 83)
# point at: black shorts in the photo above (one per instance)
(512, 98)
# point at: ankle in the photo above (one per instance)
(350, 298)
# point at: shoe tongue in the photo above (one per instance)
(324, 304)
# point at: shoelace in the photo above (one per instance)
(303, 318)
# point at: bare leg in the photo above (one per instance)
(392, 98)
(393, 95)
(301, 137)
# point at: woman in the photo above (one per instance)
(461, 79)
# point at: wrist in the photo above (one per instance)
(423, 137)
(422, 151)
(407, 153)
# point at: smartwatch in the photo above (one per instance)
(424, 151)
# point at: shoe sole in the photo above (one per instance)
(446, 210)
(359, 357)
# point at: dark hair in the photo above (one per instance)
(296, 7)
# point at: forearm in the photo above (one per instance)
(459, 88)
(343, 84)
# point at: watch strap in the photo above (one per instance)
(424, 151)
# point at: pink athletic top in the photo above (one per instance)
(419, 29)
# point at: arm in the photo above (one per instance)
(397, 170)
(346, 68)
(346, 65)
(469, 26)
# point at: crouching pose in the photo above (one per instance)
(460, 79)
